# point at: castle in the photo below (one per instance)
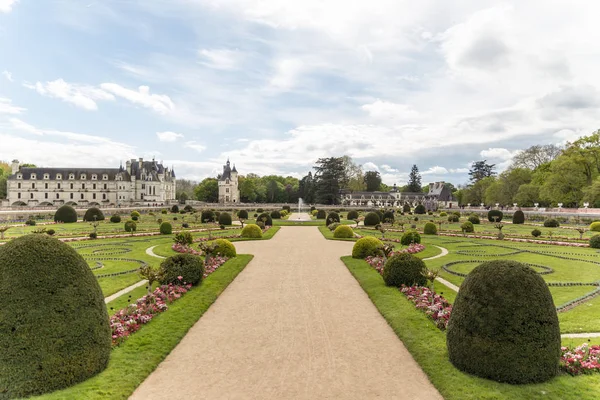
(229, 191)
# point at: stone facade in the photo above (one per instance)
(140, 182)
(229, 191)
(438, 196)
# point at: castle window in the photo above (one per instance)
(32, 176)
(19, 185)
(18, 195)
(58, 176)
(71, 195)
(94, 196)
(19, 176)
(227, 190)
(105, 186)
(57, 195)
(45, 195)
(33, 185)
(104, 177)
(81, 196)
(58, 185)
(82, 177)
(119, 178)
(46, 176)
(83, 185)
(104, 196)
(71, 176)
(227, 181)
(31, 195)
(45, 186)
(94, 186)
(94, 177)
(71, 186)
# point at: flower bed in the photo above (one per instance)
(580, 360)
(433, 305)
(378, 262)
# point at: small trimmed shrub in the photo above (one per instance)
(130, 226)
(406, 208)
(115, 219)
(595, 242)
(367, 246)
(268, 221)
(312, 208)
(453, 218)
(188, 266)
(259, 210)
(474, 219)
(166, 228)
(352, 215)
(517, 338)
(380, 214)
(467, 227)
(135, 218)
(55, 329)
(242, 214)
(495, 215)
(551, 223)
(343, 232)
(135, 214)
(410, 237)
(224, 248)
(208, 216)
(225, 219)
(93, 235)
(30, 222)
(332, 217)
(321, 214)
(430, 229)
(443, 214)
(404, 269)
(388, 217)
(287, 208)
(519, 217)
(185, 225)
(159, 221)
(175, 209)
(163, 211)
(65, 214)
(188, 208)
(333, 226)
(251, 231)
(50, 232)
(372, 219)
(275, 214)
(255, 215)
(183, 238)
(420, 209)
(93, 214)
(536, 233)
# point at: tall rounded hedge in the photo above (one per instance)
(225, 219)
(595, 242)
(551, 223)
(467, 227)
(332, 217)
(65, 214)
(430, 229)
(243, 214)
(343, 232)
(251, 231)
(352, 214)
(495, 215)
(54, 328)
(321, 214)
(224, 248)
(268, 221)
(372, 219)
(504, 325)
(175, 209)
(207, 216)
(410, 237)
(367, 246)
(166, 228)
(188, 266)
(93, 214)
(420, 209)
(388, 216)
(519, 217)
(130, 226)
(404, 269)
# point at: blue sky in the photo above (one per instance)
(274, 85)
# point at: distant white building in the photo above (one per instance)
(229, 191)
(140, 182)
(439, 195)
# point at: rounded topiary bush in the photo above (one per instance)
(166, 228)
(135, 214)
(410, 237)
(251, 231)
(404, 269)
(130, 226)
(495, 215)
(504, 325)
(332, 218)
(406, 207)
(207, 216)
(188, 208)
(115, 219)
(66, 214)
(343, 232)
(321, 214)
(595, 242)
(352, 214)
(243, 214)
(443, 214)
(367, 246)
(536, 233)
(430, 229)
(175, 209)
(54, 328)
(268, 220)
(453, 218)
(225, 219)
(467, 227)
(420, 209)
(224, 248)
(551, 223)
(93, 214)
(275, 214)
(519, 217)
(372, 219)
(474, 219)
(388, 217)
(188, 266)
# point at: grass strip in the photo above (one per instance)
(135, 359)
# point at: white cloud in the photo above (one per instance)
(369, 166)
(388, 169)
(388, 110)
(458, 170)
(7, 5)
(6, 107)
(168, 136)
(224, 59)
(8, 75)
(497, 153)
(195, 146)
(287, 73)
(162, 104)
(82, 96)
(437, 170)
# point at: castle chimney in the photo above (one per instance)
(15, 166)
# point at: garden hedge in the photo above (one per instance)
(404, 269)
(410, 237)
(243, 214)
(332, 217)
(467, 227)
(352, 215)
(135, 214)
(430, 229)
(595, 242)
(504, 325)
(343, 231)
(130, 226)
(388, 217)
(453, 218)
(519, 217)
(93, 212)
(551, 223)
(406, 208)
(321, 214)
(225, 219)
(65, 214)
(166, 228)
(420, 209)
(207, 216)
(372, 219)
(252, 231)
(115, 219)
(275, 214)
(188, 266)
(54, 328)
(495, 215)
(224, 248)
(367, 246)
(175, 209)
(474, 219)
(268, 221)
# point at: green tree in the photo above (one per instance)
(330, 177)
(480, 170)
(475, 193)
(527, 195)
(207, 190)
(414, 180)
(306, 188)
(185, 189)
(5, 171)
(372, 180)
(247, 187)
(591, 194)
(564, 183)
(505, 188)
(534, 156)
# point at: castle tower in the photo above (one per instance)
(228, 185)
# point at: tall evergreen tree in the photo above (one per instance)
(372, 181)
(480, 170)
(330, 177)
(414, 180)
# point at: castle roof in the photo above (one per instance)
(226, 172)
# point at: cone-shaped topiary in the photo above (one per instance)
(404, 269)
(66, 214)
(518, 217)
(410, 237)
(54, 328)
(321, 214)
(372, 219)
(93, 214)
(224, 248)
(268, 221)
(367, 246)
(251, 231)
(243, 214)
(352, 214)
(188, 266)
(343, 231)
(225, 219)
(166, 228)
(430, 229)
(504, 325)
(495, 215)
(332, 218)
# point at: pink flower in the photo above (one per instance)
(180, 277)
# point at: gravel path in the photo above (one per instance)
(294, 324)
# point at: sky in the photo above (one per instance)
(273, 85)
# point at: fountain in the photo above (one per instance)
(300, 202)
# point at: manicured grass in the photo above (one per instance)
(315, 222)
(135, 359)
(112, 285)
(427, 344)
